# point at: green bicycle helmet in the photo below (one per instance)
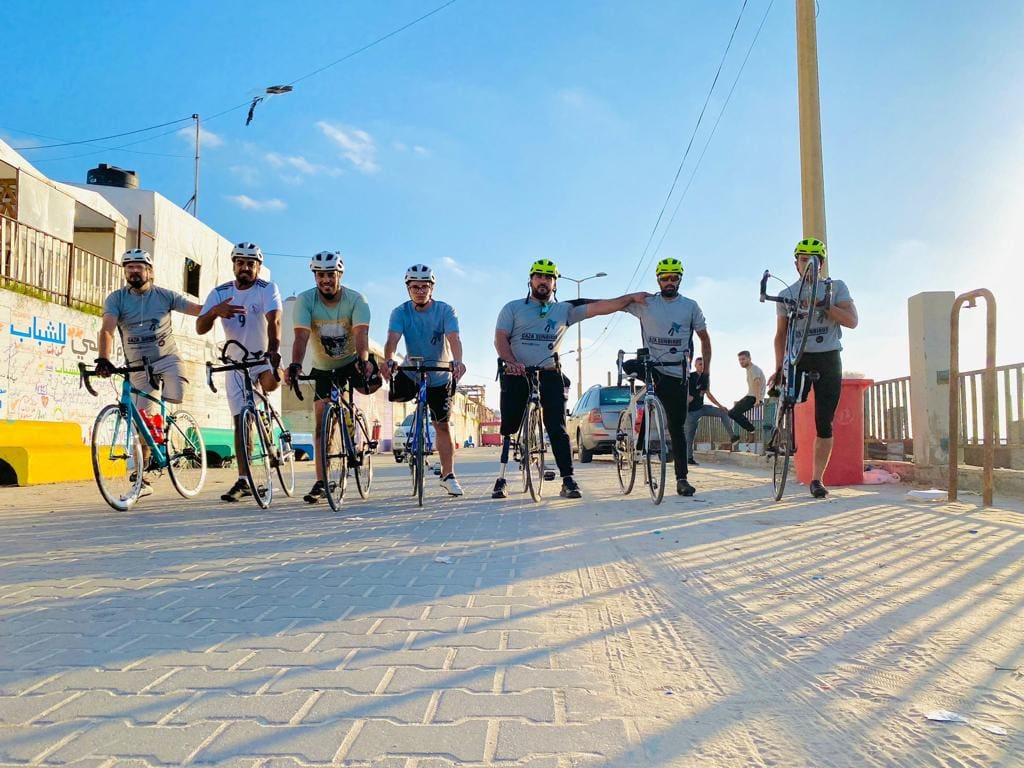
(543, 267)
(669, 266)
(810, 246)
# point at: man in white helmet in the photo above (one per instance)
(249, 309)
(431, 331)
(141, 312)
(337, 321)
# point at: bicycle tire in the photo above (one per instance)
(624, 452)
(807, 294)
(186, 453)
(284, 453)
(116, 457)
(333, 457)
(533, 451)
(655, 449)
(254, 460)
(784, 444)
(364, 469)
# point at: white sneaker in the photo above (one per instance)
(146, 489)
(451, 485)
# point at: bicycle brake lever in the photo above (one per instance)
(764, 285)
(209, 377)
(83, 378)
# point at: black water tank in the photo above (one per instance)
(112, 176)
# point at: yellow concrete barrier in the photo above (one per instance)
(45, 451)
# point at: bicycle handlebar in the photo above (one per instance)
(251, 360)
(85, 373)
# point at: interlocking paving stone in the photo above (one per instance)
(517, 740)
(138, 709)
(309, 743)
(355, 680)
(457, 705)
(336, 705)
(464, 741)
(163, 744)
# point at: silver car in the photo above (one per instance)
(401, 434)
(592, 423)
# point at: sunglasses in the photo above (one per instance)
(669, 278)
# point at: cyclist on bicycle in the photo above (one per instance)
(431, 331)
(249, 309)
(529, 333)
(668, 321)
(141, 312)
(821, 354)
(337, 319)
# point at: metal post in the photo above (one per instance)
(988, 393)
(579, 352)
(812, 176)
(195, 187)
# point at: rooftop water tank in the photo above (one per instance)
(112, 176)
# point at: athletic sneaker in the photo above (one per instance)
(692, 462)
(451, 485)
(818, 490)
(570, 488)
(500, 489)
(238, 490)
(145, 490)
(317, 492)
(683, 488)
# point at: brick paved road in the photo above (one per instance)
(718, 630)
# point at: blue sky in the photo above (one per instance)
(497, 132)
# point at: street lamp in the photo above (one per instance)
(579, 332)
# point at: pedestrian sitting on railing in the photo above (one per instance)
(754, 396)
(699, 389)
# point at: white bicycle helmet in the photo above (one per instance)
(247, 251)
(136, 256)
(327, 261)
(420, 272)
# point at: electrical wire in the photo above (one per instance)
(98, 138)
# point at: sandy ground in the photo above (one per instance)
(722, 630)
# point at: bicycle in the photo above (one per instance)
(120, 431)
(340, 449)
(418, 442)
(644, 411)
(791, 388)
(265, 442)
(528, 449)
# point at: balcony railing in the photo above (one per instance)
(39, 264)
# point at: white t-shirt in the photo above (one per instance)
(250, 329)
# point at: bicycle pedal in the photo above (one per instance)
(549, 474)
(371, 445)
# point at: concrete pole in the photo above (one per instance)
(812, 175)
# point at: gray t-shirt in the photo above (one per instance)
(535, 330)
(144, 320)
(824, 333)
(424, 333)
(667, 327)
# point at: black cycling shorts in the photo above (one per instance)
(322, 379)
(404, 388)
(827, 388)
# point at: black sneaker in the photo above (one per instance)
(818, 490)
(570, 489)
(317, 492)
(734, 439)
(683, 488)
(500, 489)
(692, 462)
(238, 490)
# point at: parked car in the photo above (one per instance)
(594, 419)
(398, 448)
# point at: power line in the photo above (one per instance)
(98, 138)
(119, 148)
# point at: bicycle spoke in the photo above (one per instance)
(186, 453)
(117, 458)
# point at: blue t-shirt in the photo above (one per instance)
(424, 333)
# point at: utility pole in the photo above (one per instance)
(812, 175)
(579, 332)
(195, 187)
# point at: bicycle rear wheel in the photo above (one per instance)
(807, 294)
(533, 450)
(254, 460)
(284, 454)
(117, 458)
(624, 452)
(333, 456)
(784, 441)
(363, 469)
(186, 453)
(655, 449)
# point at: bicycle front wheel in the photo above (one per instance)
(364, 456)
(807, 294)
(533, 451)
(284, 454)
(333, 456)
(784, 441)
(421, 441)
(117, 458)
(624, 452)
(655, 449)
(255, 458)
(186, 454)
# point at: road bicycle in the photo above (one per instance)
(528, 446)
(417, 441)
(793, 385)
(345, 442)
(266, 443)
(644, 414)
(122, 437)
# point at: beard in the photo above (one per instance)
(136, 281)
(244, 279)
(329, 295)
(541, 293)
(670, 291)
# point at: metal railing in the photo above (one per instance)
(1008, 426)
(887, 411)
(37, 263)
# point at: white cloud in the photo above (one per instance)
(249, 204)
(400, 146)
(453, 266)
(357, 146)
(207, 139)
(301, 164)
(246, 174)
(421, 150)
